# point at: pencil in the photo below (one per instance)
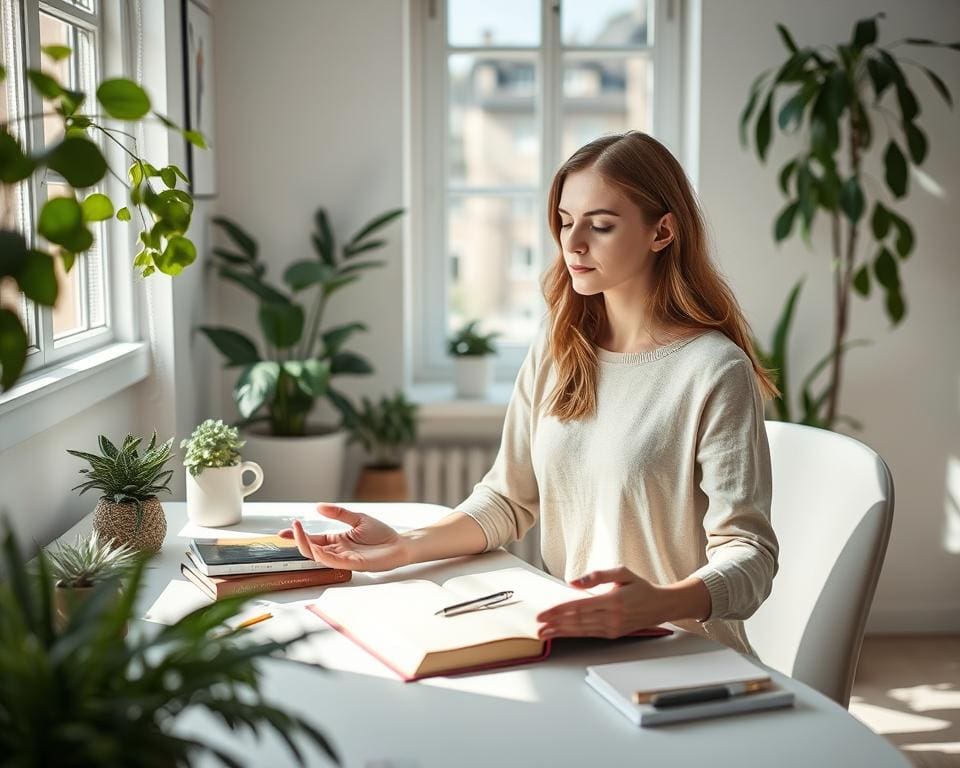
(254, 620)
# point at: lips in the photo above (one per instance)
(578, 268)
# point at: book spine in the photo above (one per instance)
(255, 568)
(280, 581)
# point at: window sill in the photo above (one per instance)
(441, 415)
(45, 398)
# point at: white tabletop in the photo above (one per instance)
(536, 715)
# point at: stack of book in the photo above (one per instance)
(224, 567)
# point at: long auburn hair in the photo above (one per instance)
(688, 289)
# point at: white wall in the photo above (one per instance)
(310, 112)
(904, 387)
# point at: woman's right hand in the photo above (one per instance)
(369, 545)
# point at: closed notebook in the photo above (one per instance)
(217, 587)
(223, 557)
(618, 682)
(397, 621)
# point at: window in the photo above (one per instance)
(507, 90)
(81, 320)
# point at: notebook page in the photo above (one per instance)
(398, 618)
(532, 594)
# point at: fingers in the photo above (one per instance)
(340, 513)
(303, 543)
(315, 538)
(616, 575)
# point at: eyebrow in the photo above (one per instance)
(594, 212)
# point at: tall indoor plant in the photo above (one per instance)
(281, 379)
(67, 224)
(836, 95)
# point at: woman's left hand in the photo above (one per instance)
(633, 603)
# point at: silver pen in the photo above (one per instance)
(476, 604)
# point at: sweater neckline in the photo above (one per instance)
(630, 358)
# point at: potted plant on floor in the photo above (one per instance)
(384, 429)
(128, 511)
(85, 694)
(282, 379)
(78, 568)
(215, 469)
(841, 105)
(473, 355)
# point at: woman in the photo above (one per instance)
(635, 432)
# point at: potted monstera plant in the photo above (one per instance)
(283, 377)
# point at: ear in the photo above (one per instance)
(665, 232)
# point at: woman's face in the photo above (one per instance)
(606, 242)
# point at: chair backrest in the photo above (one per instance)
(832, 510)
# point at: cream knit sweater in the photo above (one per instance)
(670, 477)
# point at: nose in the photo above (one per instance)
(576, 242)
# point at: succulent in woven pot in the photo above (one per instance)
(128, 511)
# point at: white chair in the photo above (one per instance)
(832, 510)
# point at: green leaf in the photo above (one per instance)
(905, 239)
(311, 376)
(68, 258)
(323, 241)
(97, 207)
(169, 177)
(3, 73)
(334, 339)
(123, 99)
(254, 285)
(881, 76)
(57, 52)
(784, 223)
(233, 345)
(376, 223)
(851, 199)
(880, 221)
(349, 251)
(338, 282)
(861, 281)
(13, 252)
(123, 214)
(940, 86)
(304, 274)
(37, 279)
(179, 253)
(282, 324)
(916, 142)
(242, 240)
(61, 222)
(763, 128)
(347, 362)
(196, 138)
(836, 93)
(895, 165)
(909, 108)
(885, 269)
(13, 348)
(15, 165)
(48, 87)
(786, 38)
(360, 266)
(78, 160)
(896, 309)
(865, 32)
(751, 104)
(255, 386)
(785, 173)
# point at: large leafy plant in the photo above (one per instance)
(67, 224)
(91, 694)
(836, 95)
(280, 382)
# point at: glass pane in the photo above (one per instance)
(92, 263)
(603, 96)
(77, 72)
(68, 312)
(605, 23)
(90, 6)
(493, 22)
(493, 129)
(493, 265)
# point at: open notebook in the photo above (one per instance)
(396, 621)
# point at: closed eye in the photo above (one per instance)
(595, 229)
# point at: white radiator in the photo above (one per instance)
(445, 473)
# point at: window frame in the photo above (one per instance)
(428, 111)
(97, 363)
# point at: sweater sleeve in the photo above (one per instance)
(506, 502)
(734, 459)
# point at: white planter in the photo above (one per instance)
(304, 468)
(474, 375)
(215, 496)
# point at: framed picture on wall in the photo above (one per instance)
(198, 92)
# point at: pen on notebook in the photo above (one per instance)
(707, 693)
(475, 605)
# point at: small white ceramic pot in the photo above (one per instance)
(215, 496)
